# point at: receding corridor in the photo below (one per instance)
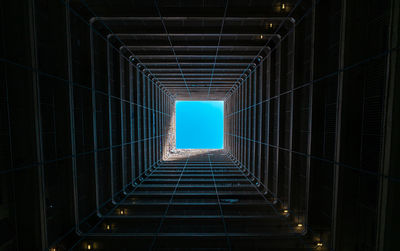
(308, 98)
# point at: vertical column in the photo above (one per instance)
(336, 171)
(38, 126)
(72, 117)
(254, 123)
(109, 79)
(249, 122)
(163, 121)
(237, 123)
(267, 92)
(159, 116)
(154, 119)
(139, 106)
(242, 124)
(94, 119)
(144, 122)
(164, 109)
(260, 121)
(132, 122)
(277, 116)
(122, 110)
(310, 122)
(290, 79)
(159, 123)
(149, 124)
(388, 190)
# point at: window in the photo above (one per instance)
(199, 124)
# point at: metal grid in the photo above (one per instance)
(92, 109)
(206, 197)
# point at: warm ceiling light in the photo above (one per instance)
(53, 249)
(270, 25)
(108, 227)
(286, 211)
(261, 36)
(283, 6)
(89, 247)
(299, 225)
(319, 244)
(121, 211)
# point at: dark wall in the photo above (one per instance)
(70, 133)
(328, 129)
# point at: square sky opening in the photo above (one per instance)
(199, 124)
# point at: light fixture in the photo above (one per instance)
(286, 211)
(270, 25)
(261, 36)
(319, 244)
(283, 6)
(299, 225)
(53, 249)
(108, 227)
(89, 247)
(121, 212)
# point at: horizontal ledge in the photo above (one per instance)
(195, 46)
(131, 35)
(269, 217)
(157, 18)
(293, 234)
(198, 63)
(194, 56)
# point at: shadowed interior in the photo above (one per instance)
(87, 125)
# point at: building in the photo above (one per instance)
(311, 156)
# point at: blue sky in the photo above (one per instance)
(199, 124)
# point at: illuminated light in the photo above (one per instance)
(89, 247)
(121, 212)
(270, 25)
(299, 225)
(283, 6)
(261, 36)
(53, 249)
(319, 244)
(108, 227)
(286, 211)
